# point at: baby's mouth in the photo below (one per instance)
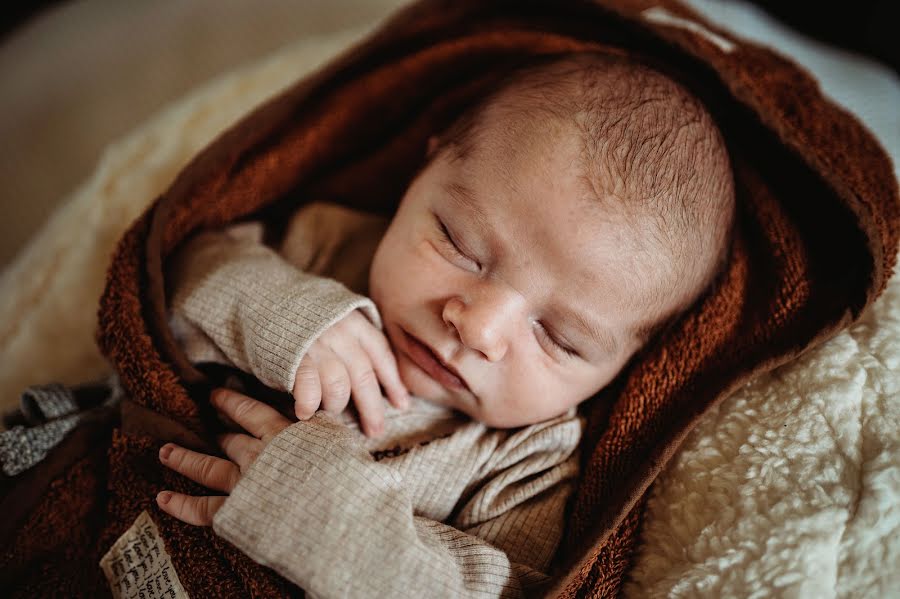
(427, 360)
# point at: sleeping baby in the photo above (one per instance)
(435, 362)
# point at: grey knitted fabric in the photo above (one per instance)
(21, 447)
(53, 411)
(41, 403)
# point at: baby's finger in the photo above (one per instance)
(385, 364)
(366, 392)
(307, 388)
(260, 420)
(207, 470)
(198, 511)
(241, 449)
(335, 381)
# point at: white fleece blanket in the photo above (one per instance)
(790, 488)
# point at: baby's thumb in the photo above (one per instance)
(307, 390)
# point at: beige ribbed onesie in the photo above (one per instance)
(438, 506)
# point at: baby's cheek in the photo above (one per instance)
(389, 280)
(528, 396)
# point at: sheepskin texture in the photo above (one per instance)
(790, 487)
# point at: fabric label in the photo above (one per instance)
(137, 565)
(660, 15)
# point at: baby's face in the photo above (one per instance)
(506, 291)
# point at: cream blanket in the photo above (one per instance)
(790, 488)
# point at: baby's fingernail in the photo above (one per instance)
(216, 397)
(164, 497)
(165, 452)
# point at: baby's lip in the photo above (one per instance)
(428, 360)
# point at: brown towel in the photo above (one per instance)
(816, 240)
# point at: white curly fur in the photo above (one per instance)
(791, 486)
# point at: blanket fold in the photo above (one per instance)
(815, 242)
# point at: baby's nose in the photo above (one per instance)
(485, 321)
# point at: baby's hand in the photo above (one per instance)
(350, 358)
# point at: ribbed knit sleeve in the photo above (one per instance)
(317, 508)
(259, 312)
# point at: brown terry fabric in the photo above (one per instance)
(206, 565)
(55, 551)
(815, 242)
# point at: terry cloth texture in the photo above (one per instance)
(816, 240)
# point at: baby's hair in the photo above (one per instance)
(649, 148)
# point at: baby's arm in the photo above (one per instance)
(235, 300)
(317, 508)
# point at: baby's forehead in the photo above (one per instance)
(542, 161)
(570, 211)
(533, 207)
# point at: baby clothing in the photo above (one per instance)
(438, 505)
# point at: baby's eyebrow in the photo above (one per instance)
(599, 335)
(464, 198)
(460, 193)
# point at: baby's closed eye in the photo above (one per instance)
(449, 241)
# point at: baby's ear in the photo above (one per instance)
(433, 142)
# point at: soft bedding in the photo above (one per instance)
(791, 486)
